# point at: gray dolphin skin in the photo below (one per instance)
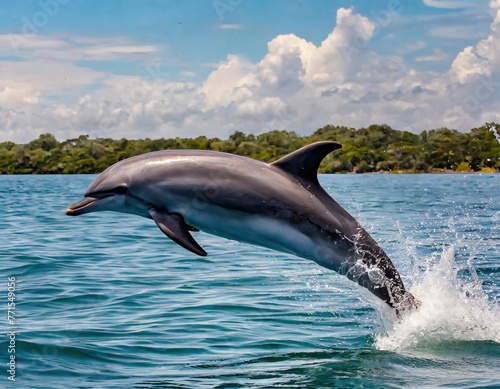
(279, 206)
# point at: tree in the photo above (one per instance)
(374, 148)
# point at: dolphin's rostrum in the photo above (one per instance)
(279, 205)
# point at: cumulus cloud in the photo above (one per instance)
(475, 75)
(483, 59)
(297, 85)
(230, 75)
(24, 84)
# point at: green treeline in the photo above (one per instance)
(373, 149)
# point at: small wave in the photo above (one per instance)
(452, 311)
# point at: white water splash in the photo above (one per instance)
(495, 133)
(450, 311)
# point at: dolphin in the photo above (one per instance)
(280, 206)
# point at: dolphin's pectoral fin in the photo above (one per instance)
(174, 226)
(305, 161)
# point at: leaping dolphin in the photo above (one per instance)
(279, 206)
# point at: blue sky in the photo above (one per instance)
(210, 61)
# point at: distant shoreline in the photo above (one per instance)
(377, 149)
(448, 172)
(429, 172)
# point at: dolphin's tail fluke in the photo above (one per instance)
(374, 270)
(408, 304)
(389, 290)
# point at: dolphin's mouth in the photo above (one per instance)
(78, 208)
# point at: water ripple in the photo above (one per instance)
(106, 301)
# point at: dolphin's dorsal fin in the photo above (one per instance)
(305, 161)
(174, 226)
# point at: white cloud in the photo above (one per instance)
(450, 3)
(411, 47)
(438, 55)
(100, 49)
(457, 32)
(232, 74)
(187, 73)
(10, 44)
(40, 78)
(230, 26)
(495, 3)
(468, 64)
(481, 60)
(107, 52)
(297, 85)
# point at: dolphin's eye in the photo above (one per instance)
(120, 190)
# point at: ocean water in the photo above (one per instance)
(107, 301)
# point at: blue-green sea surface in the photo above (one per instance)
(105, 300)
